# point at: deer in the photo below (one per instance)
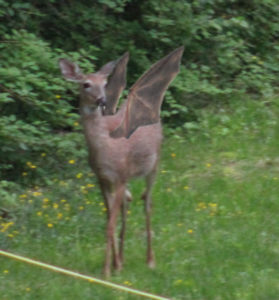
(124, 143)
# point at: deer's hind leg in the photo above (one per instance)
(127, 198)
(146, 196)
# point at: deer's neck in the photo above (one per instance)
(88, 111)
(93, 123)
(96, 134)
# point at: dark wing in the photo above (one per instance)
(146, 95)
(116, 84)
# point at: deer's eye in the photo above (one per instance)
(86, 85)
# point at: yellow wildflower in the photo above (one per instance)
(76, 123)
(127, 283)
(23, 196)
(213, 208)
(79, 175)
(55, 205)
(5, 226)
(39, 213)
(59, 216)
(71, 161)
(24, 173)
(208, 165)
(186, 187)
(6, 271)
(190, 231)
(30, 165)
(37, 194)
(173, 155)
(28, 289)
(178, 282)
(49, 225)
(57, 96)
(202, 205)
(45, 200)
(81, 207)
(43, 154)
(89, 185)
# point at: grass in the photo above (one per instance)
(215, 219)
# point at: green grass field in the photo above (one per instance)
(215, 219)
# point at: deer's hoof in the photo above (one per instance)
(151, 264)
(107, 272)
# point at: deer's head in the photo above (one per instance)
(92, 86)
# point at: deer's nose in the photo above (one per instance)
(101, 101)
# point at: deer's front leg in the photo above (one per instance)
(113, 212)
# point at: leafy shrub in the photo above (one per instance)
(231, 49)
(38, 114)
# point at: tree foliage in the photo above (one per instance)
(231, 49)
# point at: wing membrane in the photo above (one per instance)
(146, 95)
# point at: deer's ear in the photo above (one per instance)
(107, 69)
(116, 84)
(70, 70)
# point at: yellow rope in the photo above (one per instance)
(78, 275)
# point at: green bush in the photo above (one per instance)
(231, 49)
(38, 113)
